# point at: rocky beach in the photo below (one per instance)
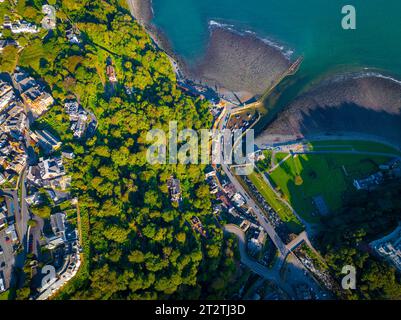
(141, 10)
(240, 62)
(237, 64)
(364, 105)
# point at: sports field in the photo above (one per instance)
(356, 145)
(316, 184)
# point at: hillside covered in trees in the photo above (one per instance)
(345, 241)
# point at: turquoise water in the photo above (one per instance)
(309, 27)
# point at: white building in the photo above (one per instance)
(23, 27)
(51, 168)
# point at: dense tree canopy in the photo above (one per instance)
(137, 244)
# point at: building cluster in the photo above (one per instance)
(62, 242)
(389, 247)
(50, 173)
(227, 199)
(9, 241)
(33, 95)
(78, 117)
(13, 124)
(72, 263)
(388, 171)
(234, 204)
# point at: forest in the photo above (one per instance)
(137, 243)
(345, 240)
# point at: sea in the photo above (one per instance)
(311, 28)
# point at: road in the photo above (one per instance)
(283, 251)
(296, 269)
(295, 272)
(252, 204)
(268, 274)
(24, 216)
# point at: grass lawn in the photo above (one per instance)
(5, 295)
(357, 145)
(327, 175)
(275, 202)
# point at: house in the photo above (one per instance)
(33, 199)
(68, 155)
(31, 93)
(73, 36)
(370, 182)
(49, 21)
(174, 189)
(15, 124)
(79, 127)
(7, 42)
(78, 117)
(257, 240)
(111, 73)
(23, 27)
(37, 100)
(51, 168)
(245, 225)
(71, 107)
(3, 220)
(238, 199)
(10, 231)
(6, 95)
(57, 222)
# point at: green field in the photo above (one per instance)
(327, 175)
(357, 145)
(276, 203)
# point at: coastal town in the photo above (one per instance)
(32, 175)
(273, 216)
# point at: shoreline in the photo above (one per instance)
(141, 10)
(240, 62)
(365, 103)
(226, 38)
(238, 65)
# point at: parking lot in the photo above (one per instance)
(6, 258)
